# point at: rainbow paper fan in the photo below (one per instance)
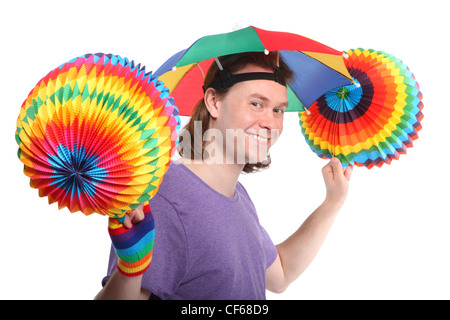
(369, 123)
(97, 134)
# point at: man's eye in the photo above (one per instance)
(278, 110)
(257, 104)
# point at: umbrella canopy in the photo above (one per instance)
(371, 124)
(96, 135)
(317, 68)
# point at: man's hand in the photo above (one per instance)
(133, 240)
(134, 216)
(336, 181)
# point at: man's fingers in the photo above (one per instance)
(337, 166)
(138, 213)
(333, 169)
(134, 216)
(127, 223)
(348, 172)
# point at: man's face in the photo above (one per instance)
(254, 111)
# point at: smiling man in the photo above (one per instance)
(209, 243)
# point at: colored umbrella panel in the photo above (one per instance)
(97, 134)
(321, 68)
(371, 122)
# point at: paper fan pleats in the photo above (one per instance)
(97, 134)
(371, 122)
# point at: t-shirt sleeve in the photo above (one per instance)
(170, 255)
(269, 247)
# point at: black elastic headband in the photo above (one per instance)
(226, 79)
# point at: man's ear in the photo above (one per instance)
(211, 102)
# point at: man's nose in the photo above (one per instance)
(268, 121)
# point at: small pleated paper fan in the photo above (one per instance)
(369, 123)
(97, 134)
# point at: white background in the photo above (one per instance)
(390, 241)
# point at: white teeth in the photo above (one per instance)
(254, 136)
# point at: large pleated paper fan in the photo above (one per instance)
(97, 134)
(371, 122)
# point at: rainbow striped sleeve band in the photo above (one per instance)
(133, 246)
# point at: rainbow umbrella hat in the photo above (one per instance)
(317, 68)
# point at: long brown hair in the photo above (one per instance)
(233, 63)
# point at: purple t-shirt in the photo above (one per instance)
(207, 246)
